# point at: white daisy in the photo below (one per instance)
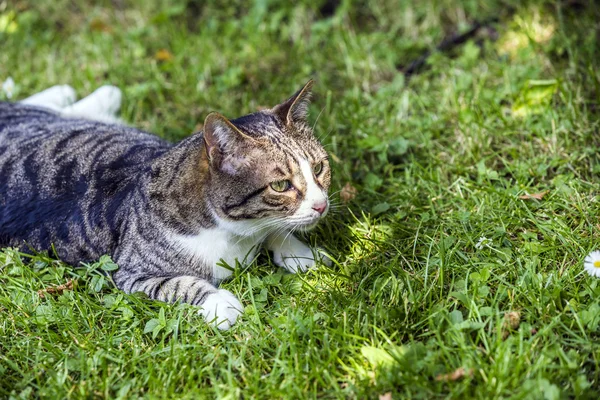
(8, 87)
(592, 263)
(483, 242)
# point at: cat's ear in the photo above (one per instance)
(295, 109)
(223, 142)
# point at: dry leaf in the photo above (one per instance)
(512, 320)
(537, 196)
(348, 193)
(455, 375)
(386, 396)
(56, 289)
(163, 55)
(97, 25)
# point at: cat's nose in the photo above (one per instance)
(320, 207)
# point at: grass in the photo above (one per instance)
(439, 160)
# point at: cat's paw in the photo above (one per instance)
(299, 257)
(221, 309)
(109, 98)
(104, 103)
(55, 98)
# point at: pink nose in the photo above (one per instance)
(320, 207)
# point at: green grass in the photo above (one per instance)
(439, 161)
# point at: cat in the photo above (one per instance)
(168, 214)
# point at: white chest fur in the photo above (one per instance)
(216, 244)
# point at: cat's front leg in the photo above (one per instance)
(292, 254)
(219, 307)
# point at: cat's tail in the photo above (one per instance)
(218, 306)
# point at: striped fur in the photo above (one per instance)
(167, 214)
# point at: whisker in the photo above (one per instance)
(289, 233)
(317, 120)
(326, 135)
(261, 225)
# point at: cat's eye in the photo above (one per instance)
(317, 168)
(281, 186)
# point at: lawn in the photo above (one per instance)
(465, 191)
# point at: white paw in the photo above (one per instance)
(221, 309)
(102, 104)
(109, 98)
(299, 257)
(55, 98)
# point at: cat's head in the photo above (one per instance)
(267, 169)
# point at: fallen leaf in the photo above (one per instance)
(348, 193)
(455, 375)
(386, 396)
(163, 55)
(512, 320)
(97, 25)
(537, 196)
(56, 289)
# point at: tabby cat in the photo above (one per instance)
(169, 215)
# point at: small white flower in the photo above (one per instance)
(592, 263)
(483, 242)
(8, 87)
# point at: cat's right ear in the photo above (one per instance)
(295, 109)
(221, 138)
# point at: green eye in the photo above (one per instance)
(318, 168)
(281, 186)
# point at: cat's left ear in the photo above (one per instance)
(223, 143)
(295, 109)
